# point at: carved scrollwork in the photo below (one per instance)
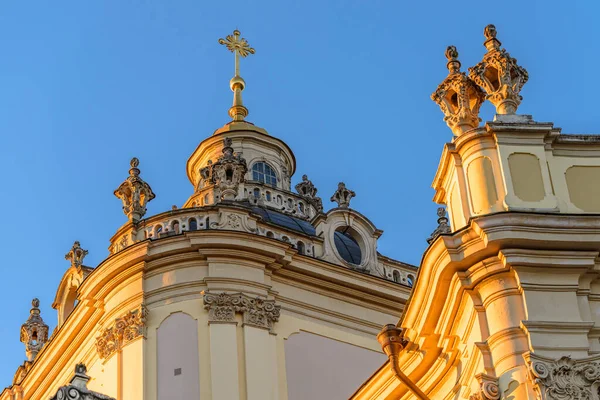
(77, 389)
(233, 222)
(125, 329)
(564, 378)
(488, 388)
(256, 312)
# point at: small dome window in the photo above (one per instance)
(262, 172)
(301, 248)
(396, 276)
(193, 224)
(410, 280)
(347, 246)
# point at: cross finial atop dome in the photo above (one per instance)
(240, 47)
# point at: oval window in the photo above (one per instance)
(347, 247)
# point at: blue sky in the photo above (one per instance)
(85, 86)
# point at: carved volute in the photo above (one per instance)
(34, 332)
(458, 97)
(228, 172)
(135, 193)
(499, 75)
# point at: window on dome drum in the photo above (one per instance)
(410, 280)
(347, 246)
(301, 248)
(193, 224)
(262, 172)
(396, 276)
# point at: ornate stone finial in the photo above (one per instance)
(77, 389)
(228, 172)
(307, 190)
(443, 226)
(342, 196)
(76, 255)
(240, 47)
(34, 332)
(499, 75)
(458, 97)
(135, 193)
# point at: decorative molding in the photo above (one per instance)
(488, 388)
(232, 221)
(125, 329)
(564, 378)
(256, 312)
(77, 388)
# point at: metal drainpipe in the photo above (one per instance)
(392, 343)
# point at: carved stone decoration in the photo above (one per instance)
(205, 176)
(488, 388)
(256, 311)
(77, 388)
(458, 96)
(229, 171)
(125, 329)
(76, 255)
(307, 190)
(135, 193)
(442, 227)
(231, 221)
(34, 332)
(499, 75)
(564, 378)
(342, 196)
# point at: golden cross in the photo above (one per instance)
(237, 45)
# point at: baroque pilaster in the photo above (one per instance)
(499, 75)
(123, 330)
(256, 312)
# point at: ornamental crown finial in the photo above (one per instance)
(135, 193)
(442, 227)
(458, 96)
(342, 196)
(76, 255)
(240, 47)
(499, 75)
(34, 332)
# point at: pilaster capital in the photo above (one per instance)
(124, 330)
(256, 311)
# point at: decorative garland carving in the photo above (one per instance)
(125, 329)
(564, 378)
(257, 312)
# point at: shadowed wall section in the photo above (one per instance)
(178, 360)
(321, 368)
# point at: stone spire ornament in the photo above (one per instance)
(135, 193)
(458, 97)
(342, 196)
(499, 75)
(240, 47)
(229, 171)
(34, 332)
(76, 255)
(307, 190)
(442, 227)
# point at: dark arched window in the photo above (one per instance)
(262, 172)
(396, 276)
(175, 227)
(410, 280)
(193, 224)
(301, 248)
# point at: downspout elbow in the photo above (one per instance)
(392, 343)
